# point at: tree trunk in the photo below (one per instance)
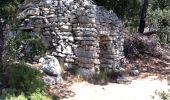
(143, 16)
(1, 44)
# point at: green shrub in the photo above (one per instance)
(9, 94)
(162, 95)
(12, 97)
(25, 84)
(39, 96)
(25, 79)
(25, 46)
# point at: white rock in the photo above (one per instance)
(67, 50)
(66, 28)
(51, 65)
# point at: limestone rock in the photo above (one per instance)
(85, 38)
(88, 60)
(123, 80)
(134, 72)
(78, 31)
(80, 52)
(50, 65)
(68, 66)
(86, 72)
(49, 80)
(85, 19)
(66, 28)
(29, 12)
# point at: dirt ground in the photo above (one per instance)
(138, 89)
(143, 87)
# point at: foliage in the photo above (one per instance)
(24, 46)
(159, 19)
(163, 95)
(24, 79)
(8, 8)
(39, 96)
(101, 77)
(8, 12)
(127, 10)
(25, 84)
(8, 94)
(158, 16)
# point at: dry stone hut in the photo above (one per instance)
(78, 31)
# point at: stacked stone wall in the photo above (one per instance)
(79, 31)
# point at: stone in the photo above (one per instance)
(69, 60)
(81, 52)
(53, 33)
(67, 50)
(86, 65)
(123, 80)
(78, 31)
(52, 20)
(106, 61)
(88, 43)
(85, 34)
(66, 28)
(108, 56)
(49, 80)
(71, 39)
(68, 66)
(88, 60)
(85, 38)
(85, 19)
(47, 33)
(51, 65)
(72, 16)
(52, 80)
(61, 55)
(134, 72)
(106, 65)
(86, 72)
(29, 12)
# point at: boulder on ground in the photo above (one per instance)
(51, 66)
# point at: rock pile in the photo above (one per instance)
(78, 31)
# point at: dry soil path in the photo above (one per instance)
(139, 89)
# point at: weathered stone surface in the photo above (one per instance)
(85, 34)
(123, 80)
(50, 80)
(77, 31)
(86, 65)
(85, 19)
(50, 65)
(134, 72)
(85, 38)
(88, 60)
(68, 66)
(106, 61)
(31, 11)
(106, 65)
(89, 43)
(67, 50)
(86, 72)
(66, 28)
(81, 52)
